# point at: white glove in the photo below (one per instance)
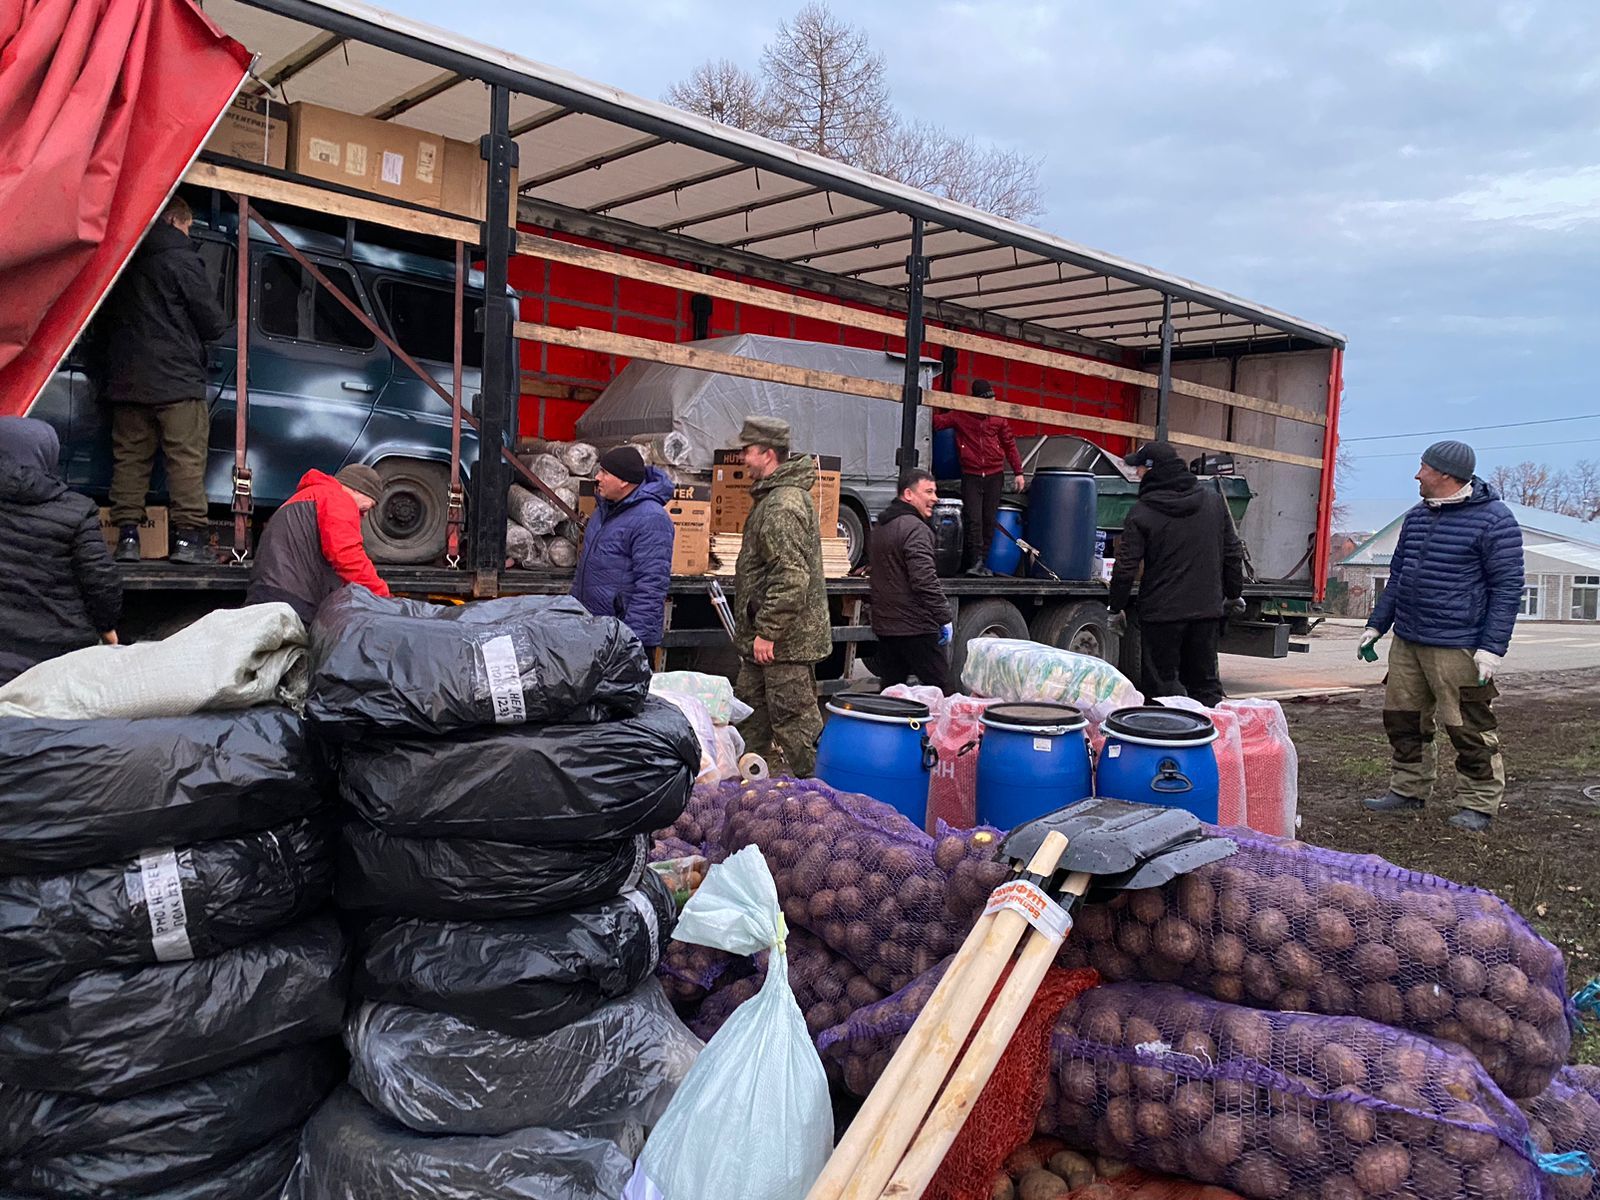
(1488, 664)
(1368, 636)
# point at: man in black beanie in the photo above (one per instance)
(626, 562)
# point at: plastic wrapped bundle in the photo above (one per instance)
(208, 898)
(705, 732)
(562, 552)
(670, 449)
(579, 458)
(533, 511)
(525, 976)
(549, 470)
(59, 1145)
(407, 666)
(1018, 671)
(532, 784)
(469, 879)
(348, 1150)
(520, 545)
(261, 1175)
(1271, 766)
(714, 691)
(438, 1074)
(1293, 927)
(81, 793)
(1564, 1124)
(114, 1032)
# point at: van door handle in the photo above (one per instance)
(350, 385)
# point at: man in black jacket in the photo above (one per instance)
(158, 320)
(1183, 536)
(910, 614)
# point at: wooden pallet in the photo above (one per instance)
(725, 555)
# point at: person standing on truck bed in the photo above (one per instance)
(1455, 585)
(1183, 536)
(626, 561)
(782, 602)
(986, 445)
(910, 615)
(312, 545)
(158, 320)
(59, 589)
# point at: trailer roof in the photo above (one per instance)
(593, 156)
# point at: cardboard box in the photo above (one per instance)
(730, 492)
(256, 129)
(152, 534)
(388, 160)
(466, 182)
(690, 510)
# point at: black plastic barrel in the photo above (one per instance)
(947, 536)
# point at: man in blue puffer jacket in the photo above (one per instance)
(1455, 584)
(627, 546)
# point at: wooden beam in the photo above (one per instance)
(1239, 448)
(1044, 416)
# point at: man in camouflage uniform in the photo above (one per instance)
(782, 620)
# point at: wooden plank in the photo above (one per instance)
(263, 187)
(1282, 456)
(1045, 416)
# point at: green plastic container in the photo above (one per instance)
(1116, 496)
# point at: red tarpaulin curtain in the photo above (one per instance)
(103, 103)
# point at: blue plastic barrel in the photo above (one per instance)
(875, 745)
(1033, 760)
(1062, 511)
(1003, 557)
(946, 455)
(1162, 756)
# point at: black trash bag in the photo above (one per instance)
(210, 897)
(407, 665)
(530, 785)
(113, 1033)
(79, 793)
(61, 1145)
(438, 1074)
(465, 879)
(350, 1152)
(525, 976)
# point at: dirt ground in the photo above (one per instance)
(1543, 853)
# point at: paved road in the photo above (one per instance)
(1332, 663)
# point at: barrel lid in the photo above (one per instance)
(1063, 471)
(871, 704)
(1157, 724)
(1034, 716)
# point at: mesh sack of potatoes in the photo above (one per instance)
(1564, 1126)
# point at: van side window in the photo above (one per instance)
(218, 258)
(294, 305)
(423, 321)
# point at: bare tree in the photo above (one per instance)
(725, 92)
(995, 179)
(827, 85)
(1577, 490)
(1533, 484)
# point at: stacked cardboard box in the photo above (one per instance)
(730, 492)
(690, 510)
(256, 129)
(389, 160)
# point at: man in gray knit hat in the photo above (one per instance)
(1455, 584)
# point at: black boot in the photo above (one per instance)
(1392, 803)
(127, 544)
(1470, 820)
(190, 549)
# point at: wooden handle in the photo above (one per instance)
(939, 1038)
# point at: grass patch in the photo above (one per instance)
(1586, 759)
(1586, 1049)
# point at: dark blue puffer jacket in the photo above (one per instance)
(1456, 577)
(627, 558)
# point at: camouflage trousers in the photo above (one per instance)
(786, 722)
(1428, 684)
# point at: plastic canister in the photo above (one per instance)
(1033, 760)
(877, 745)
(1162, 756)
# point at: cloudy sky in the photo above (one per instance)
(1423, 177)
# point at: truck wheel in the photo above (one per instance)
(1081, 628)
(409, 522)
(853, 529)
(984, 618)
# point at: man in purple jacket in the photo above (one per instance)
(626, 561)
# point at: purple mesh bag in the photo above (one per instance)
(699, 826)
(1585, 1078)
(1564, 1125)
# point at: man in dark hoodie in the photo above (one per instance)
(158, 320)
(910, 615)
(626, 562)
(59, 589)
(1183, 537)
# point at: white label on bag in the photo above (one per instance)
(1042, 744)
(647, 913)
(499, 656)
(163, 900)
(1029, 899)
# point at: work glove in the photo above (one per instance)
(946, 632)
(1369, 638)
(1117, 623)
(1488, 664)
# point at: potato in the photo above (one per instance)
(1192, 1105)
(1110, 1168)
(1153, 1120)
(1426, 1003)
(949, 851)
(1353, 1123)
(1261, 982)
(1228, 988)
(1136, 1032)
(1432, 1175)
(1148, 905)
(1294, 1138)
(1078, 1081)
(1119, 1121)
(1227, 953)
(1332, 995)
(1297, 966)
(1467, 1145)
(1073, 1167)
(1259, 1175)
(1381, 1002)
(1340, 1065)
(1174, 938)
(1382, 1170)
(1416, 941)
(1508, 986)
(1355, 901)
(1027, 1157)
(1484, 1019)
(1374, 961)
(1503, 1175)
(1481, 935)
(1269, 929)
(1000, 1188)
(1340, 1187)
(1196, 1044)
(1221, 1142)
(1197, 900)
(1234, 910)
(1330, 931)
(1114, 966)
(1134, 939)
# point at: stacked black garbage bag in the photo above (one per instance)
(172, 979)
(500, 767)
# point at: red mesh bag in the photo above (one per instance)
(1271, 766)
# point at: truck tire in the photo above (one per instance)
(1082, 628)
(853, 529)
(409, 522)
(984, 618)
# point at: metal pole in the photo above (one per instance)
(911, 392)
(490, 480)
(243, 501)
(1164, 388)
(457, 499)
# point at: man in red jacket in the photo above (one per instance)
(312, 545)
(986, 445)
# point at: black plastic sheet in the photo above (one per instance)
(350, 1152)
(123, 1030)
(165, 905)
(531, 784)
(62, 1145)
(466, 879)
(525, 976)
(406, 665)
(78, 793)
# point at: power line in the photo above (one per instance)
(1481, 450)
(1384, 437)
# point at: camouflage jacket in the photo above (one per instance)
(779, 593)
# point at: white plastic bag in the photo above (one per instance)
(1027, 672)
(752, 1119)
(714, 691)
(705, 730)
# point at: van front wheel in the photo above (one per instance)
(409, 522)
